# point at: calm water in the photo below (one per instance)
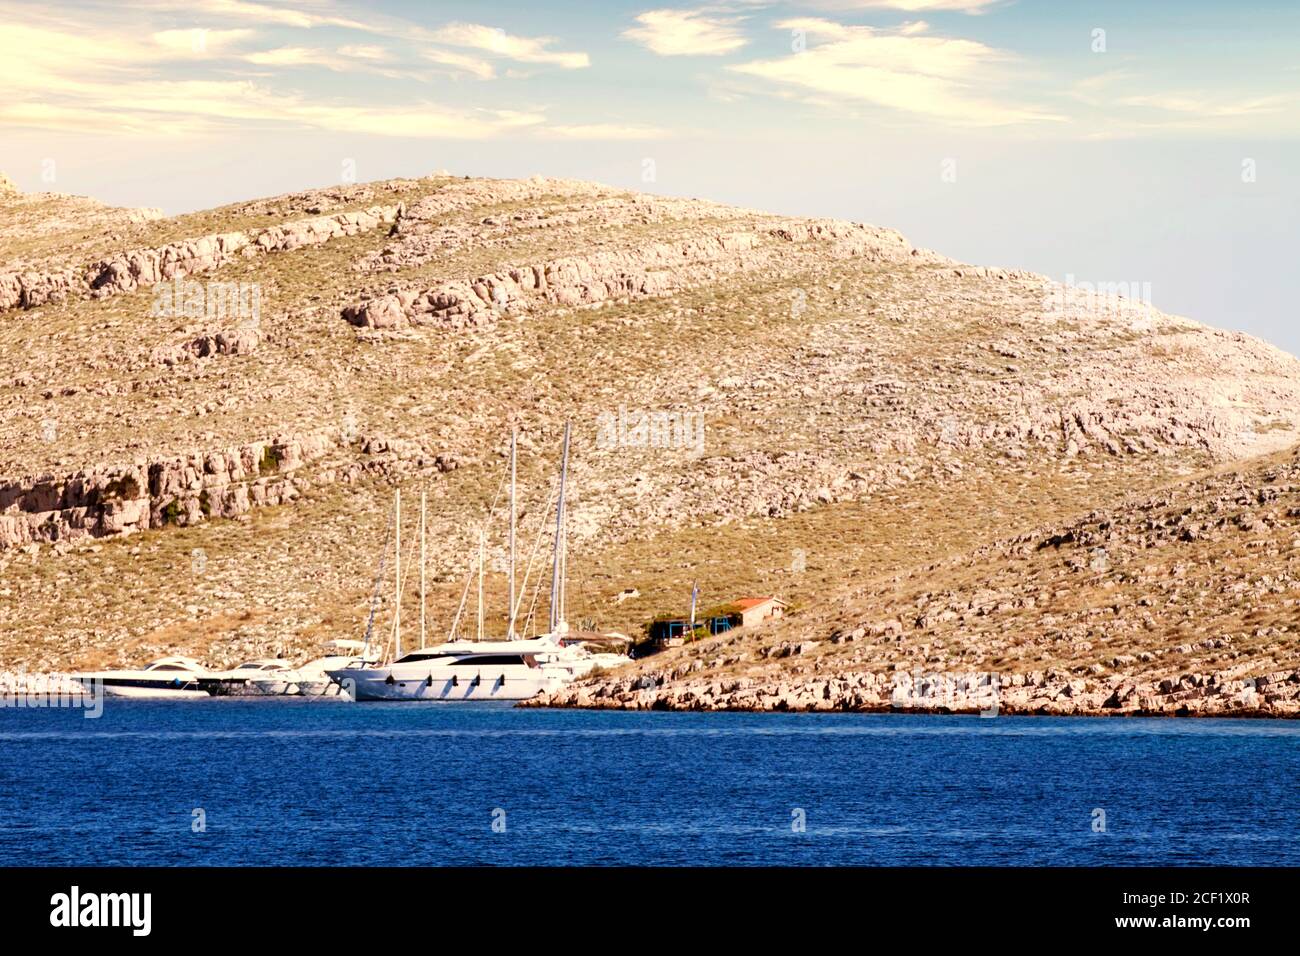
(303, 782)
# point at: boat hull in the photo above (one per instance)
(433, 685)
(150, 690)
(322, 687)
(271, 688)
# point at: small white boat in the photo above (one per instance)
(240, 681)
(312, 678)
(587, 651)
(168, 677)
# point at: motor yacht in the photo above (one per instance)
(462, 670)
(168, 677)
(312, 678)
(589, 651)
(240, 681)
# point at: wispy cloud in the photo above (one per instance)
(103, 73)
(365, 52)
(293, 56)
(905, 69)
(245, 11)
(602, 131)
(1123, 102)
(906, 6)
(66, 78)
(1206, 105)
(687, 33)
(206, 66)
(460, 63)
(197, 42)
(343, 59)
(498, 42)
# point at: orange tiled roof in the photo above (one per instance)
(746, 603)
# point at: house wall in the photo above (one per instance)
(760, 612)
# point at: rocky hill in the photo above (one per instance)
(202, 419)
(1183, 602)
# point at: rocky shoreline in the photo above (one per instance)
(1037, 693)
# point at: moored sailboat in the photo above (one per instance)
(512, 669)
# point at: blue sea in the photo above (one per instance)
(269, 782)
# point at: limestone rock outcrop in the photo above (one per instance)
(138, 268)
(643, 272)
(183, 490)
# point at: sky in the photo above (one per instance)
(1153, 143)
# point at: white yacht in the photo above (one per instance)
(462, 670)
(168, 677)
(587, 651)
(312, 678)
(240, 681)
(511, 669)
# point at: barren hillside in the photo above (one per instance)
(218, 481)
(1181, 602)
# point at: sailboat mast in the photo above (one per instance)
(397, 576)
(464, 596)
(510, 635)
(482, 536)
(422, 566)
(376, 591)
(557, 572)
